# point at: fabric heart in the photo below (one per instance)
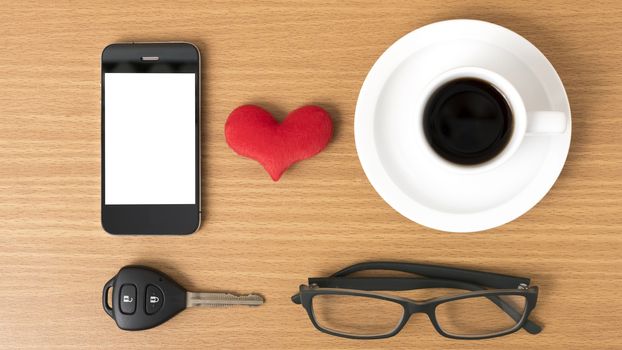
(252, 132)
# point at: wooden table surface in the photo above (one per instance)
(323, 215)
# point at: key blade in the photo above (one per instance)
(221, 299)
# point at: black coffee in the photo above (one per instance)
(467, 121)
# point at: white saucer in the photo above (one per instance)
(425, 192)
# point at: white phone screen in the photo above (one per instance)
(149, 138)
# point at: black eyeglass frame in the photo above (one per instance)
(339, 284)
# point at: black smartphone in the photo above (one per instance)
(151, 117)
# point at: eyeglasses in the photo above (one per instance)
(491, 305)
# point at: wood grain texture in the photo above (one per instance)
(323, 215)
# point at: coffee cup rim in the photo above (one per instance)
(507, 90)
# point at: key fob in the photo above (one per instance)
(142, 298)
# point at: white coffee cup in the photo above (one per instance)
(525, 122)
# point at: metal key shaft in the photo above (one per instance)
(207, 299)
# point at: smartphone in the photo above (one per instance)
(151, 118)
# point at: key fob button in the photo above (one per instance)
(128, 299)
(154, 299)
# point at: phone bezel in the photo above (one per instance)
(175, 219)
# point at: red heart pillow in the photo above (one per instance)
(252, 132)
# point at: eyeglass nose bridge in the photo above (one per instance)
(415, 308)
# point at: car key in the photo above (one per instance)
(143, 298)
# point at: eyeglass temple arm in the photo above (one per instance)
(488, 279)
(397, 284)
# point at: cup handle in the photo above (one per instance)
(546, 122)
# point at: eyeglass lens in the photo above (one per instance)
(480, 316)
(356, 315)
